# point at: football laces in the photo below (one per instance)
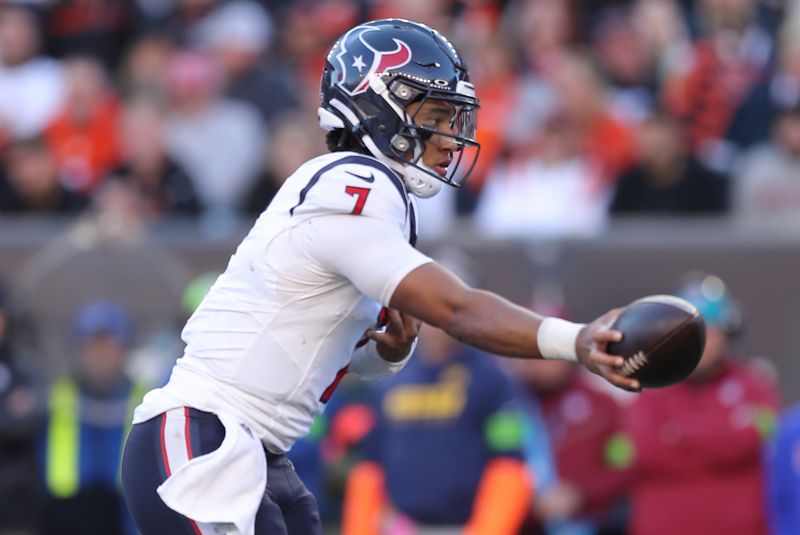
(634, 363)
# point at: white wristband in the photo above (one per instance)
(556, 339)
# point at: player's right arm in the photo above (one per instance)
(489, 322)
(360, 237)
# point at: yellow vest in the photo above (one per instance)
(63, 435)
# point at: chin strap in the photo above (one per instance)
(417, 181)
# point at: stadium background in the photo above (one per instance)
(704, 65)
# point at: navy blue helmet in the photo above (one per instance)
(378, 75)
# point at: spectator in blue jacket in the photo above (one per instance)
(89, 417)
(783, 475)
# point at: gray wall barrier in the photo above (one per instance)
(51, 266)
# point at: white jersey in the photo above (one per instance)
(278, 328)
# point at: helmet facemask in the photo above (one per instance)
(407, 145)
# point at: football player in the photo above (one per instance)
(334, 250)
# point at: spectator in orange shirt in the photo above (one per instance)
(584, 102)
(734, 53)
(499, 86)
(83, 136)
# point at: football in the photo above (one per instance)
(663, 340)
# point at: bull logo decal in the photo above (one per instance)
(358, 65)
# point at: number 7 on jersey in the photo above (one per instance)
(361, 197)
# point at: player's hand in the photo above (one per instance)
(394, 342)
(591, 345)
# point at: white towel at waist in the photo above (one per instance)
(222, 487)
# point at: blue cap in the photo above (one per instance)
(107, 318)
(711, 297)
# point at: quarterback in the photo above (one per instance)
(328, 282)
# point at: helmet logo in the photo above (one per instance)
(360, 64)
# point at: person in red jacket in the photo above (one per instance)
(583, 423)
(696, 455)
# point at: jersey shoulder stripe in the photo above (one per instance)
(353, 159)
(412, 235)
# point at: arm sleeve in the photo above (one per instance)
(368, 364)
(373, 254)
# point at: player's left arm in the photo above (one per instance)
(374, 255)
(386, 348)
(396, 341)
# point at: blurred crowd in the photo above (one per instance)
(590, 110)
(139, 110)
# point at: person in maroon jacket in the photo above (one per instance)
(583, 423)
(696, 455)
